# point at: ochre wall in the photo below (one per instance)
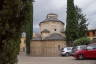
(46, 47)
(22, 45)
(91, 34)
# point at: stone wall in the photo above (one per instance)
(52, 27)
(46, 47)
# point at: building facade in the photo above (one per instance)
(91, 34)
(51, 38)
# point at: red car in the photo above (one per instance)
(88, 52)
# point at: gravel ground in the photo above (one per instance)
(52, 60)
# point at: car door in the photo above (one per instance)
(94, 53)
(94, 50)
(89, 53)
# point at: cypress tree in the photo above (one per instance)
(28, 18)
(71, 22)
(12, 18)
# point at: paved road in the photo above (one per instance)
(52, 60)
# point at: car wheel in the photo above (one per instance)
(67, 54)
(80, 57)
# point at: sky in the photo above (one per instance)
(59, 7)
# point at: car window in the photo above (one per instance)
(68, 48)
(91, 47)
(82, 47)
(74, 49)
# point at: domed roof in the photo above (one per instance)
(51, 17)
(55, 36)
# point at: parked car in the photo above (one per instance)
(77, 48)
(88, 52)
(66, 51)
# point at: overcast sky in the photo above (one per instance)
(43, 7)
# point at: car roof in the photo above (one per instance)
(92, 44)
(81, 45)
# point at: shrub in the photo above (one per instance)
(82, 41)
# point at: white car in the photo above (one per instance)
(66, 51)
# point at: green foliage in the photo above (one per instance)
(71, 22)
(76, 26)
(82, 25)
(9, 52)
(28, 18)
(12, 19)
(82, 41)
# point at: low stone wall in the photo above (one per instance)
(46, 47)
